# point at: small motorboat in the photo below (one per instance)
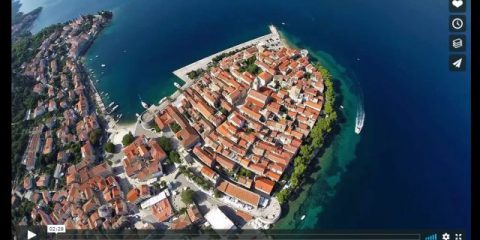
(303, 217)
(144, 104)
(114, 108)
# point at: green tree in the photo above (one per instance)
(127, 139)
(163, 183)
(182, 210)
(165, 144)
(282, 196)
(216, 193)
(174, 156)
(175, 127)
(95, 135)
(187, 196)
(245, 172)
(195, 73)
(306, 151)
(109, 147)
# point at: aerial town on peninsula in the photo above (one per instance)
(222, 152)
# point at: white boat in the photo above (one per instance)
(144, 104)
(111, 104)
(359, 120)
(177, 85)
(138, 115)
(283, 23)
(96, 56)
(119, 116)
(103, 65)
(114, 108)
(303, 217)
(341, 106)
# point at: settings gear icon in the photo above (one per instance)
(446, 236)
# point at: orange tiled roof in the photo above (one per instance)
(208, 172)
(133, 195)
(225, 162)
(203, 156)
(162, 210)
(241, 194)
(193, 213)
(263, 184)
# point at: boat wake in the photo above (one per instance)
(360, 118)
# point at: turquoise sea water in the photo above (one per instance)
(407, 169)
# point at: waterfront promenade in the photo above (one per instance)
(202, 63)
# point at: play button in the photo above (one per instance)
(30, 235)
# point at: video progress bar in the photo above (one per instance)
(319, 236)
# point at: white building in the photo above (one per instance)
(218, 220)
(157, 198)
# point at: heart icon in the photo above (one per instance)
(457, 3)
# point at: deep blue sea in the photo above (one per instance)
(410, 166)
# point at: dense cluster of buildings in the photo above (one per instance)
(243, 120)
(84, 194)
(231, 118)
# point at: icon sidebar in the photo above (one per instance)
(457, 42)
